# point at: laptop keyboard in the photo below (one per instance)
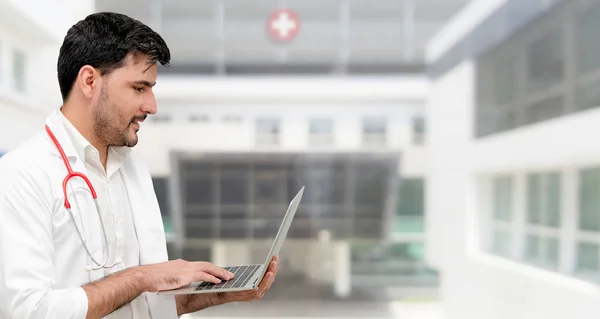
(242, 275)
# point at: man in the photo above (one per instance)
(67, 258)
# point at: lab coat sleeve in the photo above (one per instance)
(26, 252)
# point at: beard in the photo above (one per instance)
(110, 126)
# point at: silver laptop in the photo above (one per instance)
(246, 277)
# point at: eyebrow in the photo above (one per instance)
(143, 82)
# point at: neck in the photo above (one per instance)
(83, 124)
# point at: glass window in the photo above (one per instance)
(545, 109)
(532, 247)
(418, 130)
(414, 251)
(553, 200)
(321, 131)
(161, 118)
(267, 131)
(544, 199)
(374, 131)
(502, 199)
(587, 95)
(588, 47)
(505, 81)
(552, 251)
(232, 119)
(545, 61)
(589, 199)
(543, 251)
(321, 126)
(161, 188)
(501, 243)
(19, 71)
(410, 209)
(588, 256)
(199, 118)
(534, 199)
(267, 126)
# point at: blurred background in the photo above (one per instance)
(447, 147)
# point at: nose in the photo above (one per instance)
(150, 105)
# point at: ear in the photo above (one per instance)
(88, 81)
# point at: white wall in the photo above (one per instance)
(293, 100)
(414, 161)
(475, 284)
(17, 125)
(44, 21)
(459, 26)
(36, 28)
(448, 173)
(319, 89)
(158, 139)
(564, 142)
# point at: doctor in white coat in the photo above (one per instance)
(73, 257)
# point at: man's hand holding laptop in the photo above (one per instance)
(189, 303)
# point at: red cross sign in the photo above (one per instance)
(283, 25)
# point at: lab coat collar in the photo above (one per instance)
(54, 122)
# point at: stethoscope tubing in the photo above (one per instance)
(71, 174)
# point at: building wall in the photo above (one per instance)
(30, 36)
(213, 115)
(494, 260)
(17, 125)
(200, 115)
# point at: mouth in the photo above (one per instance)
(135, 126)
(135, 123)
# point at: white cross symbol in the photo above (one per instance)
(284, 24)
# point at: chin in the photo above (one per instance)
(132, 142)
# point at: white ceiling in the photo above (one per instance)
(377, 31)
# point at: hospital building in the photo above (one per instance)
(448, 147)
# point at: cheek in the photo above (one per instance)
(121, 112)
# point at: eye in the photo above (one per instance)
(140, 89)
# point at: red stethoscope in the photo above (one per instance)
(71, 174)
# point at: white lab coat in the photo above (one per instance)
(42, 261)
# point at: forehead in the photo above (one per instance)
(137, 67)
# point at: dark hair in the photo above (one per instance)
(103, 40)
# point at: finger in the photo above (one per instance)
(266, 285)
(273, 266)
(266, 282)
(202, 276)
(214, 270)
